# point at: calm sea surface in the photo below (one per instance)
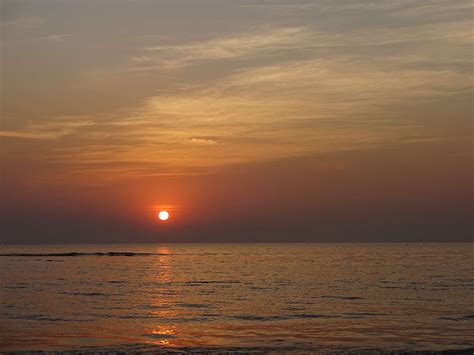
(267, 296)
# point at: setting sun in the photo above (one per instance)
(163, 215)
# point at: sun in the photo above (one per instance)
(163, 215)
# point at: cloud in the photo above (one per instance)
(24, 24)
(25, 135)
(343, 81)
(55, 37)
(234, 46)
(380, 7)
(438, 24)
(141, 60)
(310, 88)
(205, 141)
(52, 128)
(293, 108)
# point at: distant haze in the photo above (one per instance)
(247, 120)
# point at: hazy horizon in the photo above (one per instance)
(62, 244)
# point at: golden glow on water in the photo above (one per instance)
(307, 295)
(163, 268)
(164, 335)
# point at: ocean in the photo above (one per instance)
(246, 297)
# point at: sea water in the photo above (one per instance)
(304, 297)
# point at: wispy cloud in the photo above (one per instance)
(294, 88)
(205, 141)
(52, 128)
(55, 37)
(241, 45)
(25, 135)
(381, 7)
(273, 44)
(142, 59)
(24, 24)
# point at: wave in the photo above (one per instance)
(110, 253)
(294, 349)
(46, 318)
(457, 318)
(282, 317)
(343, 297)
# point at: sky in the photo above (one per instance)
(249, 121)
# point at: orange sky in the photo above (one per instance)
(301, 121)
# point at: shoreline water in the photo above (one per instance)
(153, 349)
